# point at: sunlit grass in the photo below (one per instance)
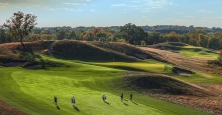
(32, 91)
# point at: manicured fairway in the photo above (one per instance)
(32, 91)
(200, 52)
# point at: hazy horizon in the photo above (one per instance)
(102, 13)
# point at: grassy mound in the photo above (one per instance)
(162, 84)
(86, 51)
(10, 57)
(37, 46)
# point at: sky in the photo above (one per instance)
(103, 13)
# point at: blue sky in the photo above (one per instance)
(51, 13)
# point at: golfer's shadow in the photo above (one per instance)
(125, 104)
(135, 103)
(57, 107)
(76, 108)
(107, 102)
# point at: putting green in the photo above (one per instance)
(32, 91)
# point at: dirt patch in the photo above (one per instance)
(6, 109)
(182, 72)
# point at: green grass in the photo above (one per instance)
(32, 91)
(189, 51)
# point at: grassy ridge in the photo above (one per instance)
(32, 91)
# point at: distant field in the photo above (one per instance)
(32, 91)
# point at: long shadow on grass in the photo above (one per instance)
(135, 103)
(76, 108)
(125, 104)
(107, 102)
(57, 107)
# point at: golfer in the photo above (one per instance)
(131, 97)
(104, 97)
(55, 100)
(121, 96)
(73, 100)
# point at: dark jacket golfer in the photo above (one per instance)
(121, 96)
(73, 100)
(55, 100)
(131, 97)
(104, 97)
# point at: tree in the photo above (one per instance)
(220, 57)
(2, 36)
(20, 25)
(154, 37)
(214, 43)
(172, 37)
(72, 35)
(203, 41)
(61, 35)
(132, 33)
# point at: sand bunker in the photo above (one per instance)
(13, 64)
(141, 56)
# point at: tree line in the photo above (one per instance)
(129, 33)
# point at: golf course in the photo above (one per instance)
(87, 70)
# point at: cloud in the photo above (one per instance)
(36, 5)
(134, 6)
(72, 3)
(146, 10)
(189, 16)
(136, 1)
(158, 3)
(4, 4)
(92, 10)
(67, 9)
(49, 8)
(118, 5)
(177, 20)
(204, 11)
